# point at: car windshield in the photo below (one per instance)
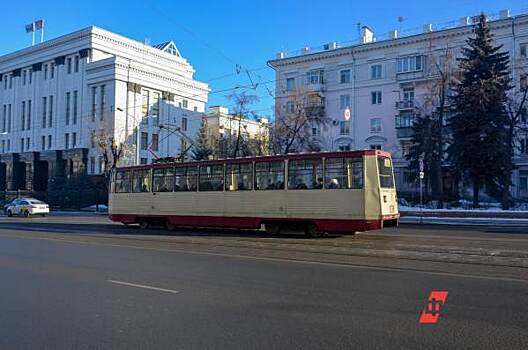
(35, 201)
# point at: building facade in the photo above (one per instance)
(372, 91)
(60, 97)
(223, 128)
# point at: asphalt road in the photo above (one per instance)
(85, 283)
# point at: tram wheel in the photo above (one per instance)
(311, 230)
(144, 224)
(273, 228)
(169, 225)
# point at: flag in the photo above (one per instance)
(30, 27)
(39, 24)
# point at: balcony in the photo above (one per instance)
(403, 133)
(405, 104)
(406, 76)
(315, 110)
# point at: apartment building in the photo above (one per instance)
(372, 90)
(59, 97)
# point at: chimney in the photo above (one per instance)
(367, 35)
(330, 46)
(281, 55)
(503, 14)
(393, 34)
(464, 21)
(428, 28)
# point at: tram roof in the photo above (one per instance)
(276, 157)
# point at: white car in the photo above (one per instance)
(27, 207)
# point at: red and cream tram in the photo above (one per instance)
(342, 192)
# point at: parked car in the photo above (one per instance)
(27, 207)
(7, 204)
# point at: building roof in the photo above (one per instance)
(169, 47)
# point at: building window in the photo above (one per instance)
(523, 47)
(76, 66)
(24, 73)
(344, 127)
(375, 71)
(184, 124)
(69, 65)
(344, 147)
(23, 119)
(22, 145)
(9, 118)
(344, 101)
(27, 144)
(523, 183)
(155, 140)
(405, 121)
(29, 115)
(74, 140)
(375, 125)
(410, 64)
(43, 143)
(102, 166)
(68, 108)
(185, 103)
(8, 145)
(405, 148)
(11, 81)
(408, 94)
(75, 98)
(45, 72)
(5, 81)
(4, 118)
(44, 111)
(49, 141)
(290, 107)
(30, 75)
(290, 84)
(103, 101)
(315, 77)
(144, 140)
(92, 139)
(94, 103)
(66, 140)
(3, 146)
(345, 76)
(156, 108)
(52, 70)
(375, 146)
(145, 103)
(375, 97)
(50, 116)
(523, 146)
(92, 165)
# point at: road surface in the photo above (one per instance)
(86, 283)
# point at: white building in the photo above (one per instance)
(382, 82)
(55, 96)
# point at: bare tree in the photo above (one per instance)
(112, 151)
(292, 131)
(241, 103)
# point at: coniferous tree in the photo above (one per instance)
(202, 149)
(479, 145)
(424, 141)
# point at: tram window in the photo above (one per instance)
(141, 181)
(344, 173)
(305, 174)
(269, 175)
(385, 172)
(163, 180)
(239, 177)
(212, 178)
(123, 182)
(185, 179)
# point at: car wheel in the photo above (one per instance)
(273, 229)
(143, 224)
(26, 213)
(9, 213)
(44, 215)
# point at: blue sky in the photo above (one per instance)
(216, 36)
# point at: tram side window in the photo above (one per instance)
(123, 182)
(212, 178)
(305, 174)
(344, 173)
(269, 175)
(141, 181)
(163, 180)
(385, 172)
(185, 179)
(239, 177)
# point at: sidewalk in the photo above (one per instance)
(465, 217)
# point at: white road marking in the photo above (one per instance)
(143, 286)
